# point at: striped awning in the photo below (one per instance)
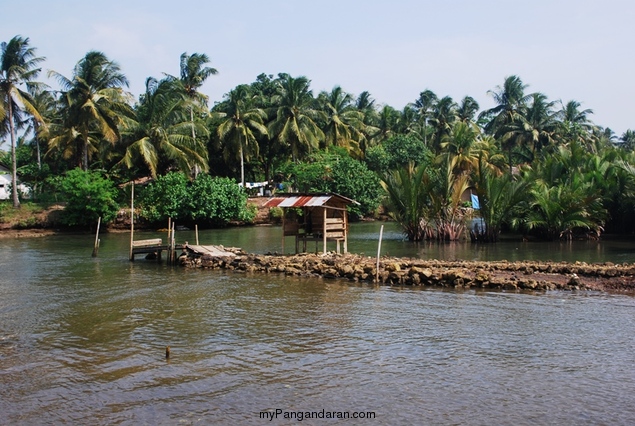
(306, 200)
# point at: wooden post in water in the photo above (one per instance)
(381, 234)
(170, 241)
(169, 229)
(131, 221)
(196, 229)
(324, 231)
(171, 247)
(96, 248)
(283, 225)
(173, 244)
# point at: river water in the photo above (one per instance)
(82, 341)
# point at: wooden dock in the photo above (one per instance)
(153, 248)
(156, 247)
(214, 251)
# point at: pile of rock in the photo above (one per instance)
(534, 276)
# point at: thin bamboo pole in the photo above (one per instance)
(173, 246)
(196, 229)
(345, 232)
(381, 234)
(283, 225)
(131, 221)
(324, 233)
(96, 247)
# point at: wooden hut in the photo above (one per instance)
(313, 217)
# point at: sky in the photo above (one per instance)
(567, 49)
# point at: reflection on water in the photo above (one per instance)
(82, 340)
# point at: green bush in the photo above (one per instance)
(209, 200)
(275, 214)
(88, 197)
(218, 201)
(396, 153)
(338, 173)
(165, 198)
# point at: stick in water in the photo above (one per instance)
(96, 248)
(381, 234)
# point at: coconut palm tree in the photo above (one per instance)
(386, 124)
(263, 91)
(240, 123)
(365, 104)
(442, 119)
(18, 68)
(467, 109)
(424, 106)
(537, 129)
(511, 103)
(94, 105)
(295, 123)
(408, 121)
(44, 101)
(343, 121)
(193, 75)
(460, 147)
(576, 123)
(627, 140)
(160, 136)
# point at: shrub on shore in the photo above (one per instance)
(211, 200)
(88, 197)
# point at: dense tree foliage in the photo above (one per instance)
(335, 171)
(206, 200)
(88, 196)
(537, 166)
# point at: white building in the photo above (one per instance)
(5, 184)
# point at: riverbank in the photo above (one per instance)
(502, 275)
(32, 220)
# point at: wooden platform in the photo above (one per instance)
(156, 247)
(152, 246)
(215, 251)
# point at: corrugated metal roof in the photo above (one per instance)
(305, 200)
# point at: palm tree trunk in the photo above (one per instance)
(242, 165)
(14, 165)
(84, 160)
(195, 170)
(85, 156)
(511, 168)
(37, 145)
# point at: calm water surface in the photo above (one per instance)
(82, 341)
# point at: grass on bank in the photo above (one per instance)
(26, 216)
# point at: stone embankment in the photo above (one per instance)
(501, 275)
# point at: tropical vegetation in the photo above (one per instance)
(531, 165)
